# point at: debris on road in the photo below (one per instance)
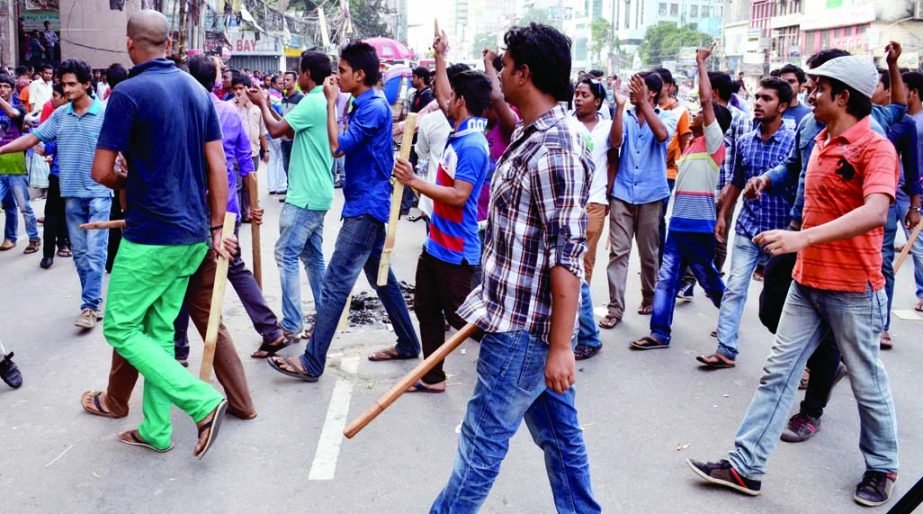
(366, 309)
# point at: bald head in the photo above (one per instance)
(149, 28)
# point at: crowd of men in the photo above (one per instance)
(517, 169)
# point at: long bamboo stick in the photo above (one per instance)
(217, 303)
(410, 126)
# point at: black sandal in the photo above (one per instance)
(302, 375)
(272, 347)
(215, 425)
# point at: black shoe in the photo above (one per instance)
(723, 473)
(800, 428)
(685, 292)
(583, 352)
(46, 262)
(875, 488)
(9, 372)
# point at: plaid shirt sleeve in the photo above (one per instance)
(559, 182)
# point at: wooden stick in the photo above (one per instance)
(436, 31)
(101, 225)
(344, 317)
(410, 125)
(254, 187)
(409, 380)
(217, 303)
(908, 247)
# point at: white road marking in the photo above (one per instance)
(331, 436)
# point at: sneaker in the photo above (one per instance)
(9, 372)
(685, 292)
(723, 473)
(46, 262)
(87, 319)
(583, 352)
(800, 428)
(875, 488)
(6, 245)
(34, 246)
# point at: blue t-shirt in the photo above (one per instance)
(453, 233)
(160, 119)
(369, 154)
(76, 138)
(792, 116)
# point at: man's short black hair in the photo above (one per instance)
(238, 77)
(597, 74)
(884, 76)
(455, 69)
(546, 52)
(6, 79)
(823, 56)
(722, 84)
(654, 83)
(80, 68)
(117, 74)
(914, 81)
(294, 74)
(596, 87)
(475, 88)
(775, 72)
(665, 75)
(46, 66)
(202, 70)
(362, 56)
(423, 73)
(21, 70)
(798, 72)
(58, 88)
(723, 117)
(782, 88)
(317, 64)
(858, 104)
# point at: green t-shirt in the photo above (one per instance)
(310, 177)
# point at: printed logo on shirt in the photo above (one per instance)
(845, 170)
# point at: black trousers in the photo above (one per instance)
(55, 230)
(441, 289)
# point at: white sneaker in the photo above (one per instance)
(87, 319)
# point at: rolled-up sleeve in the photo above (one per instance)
(560, 187)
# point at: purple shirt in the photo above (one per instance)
(236, 147)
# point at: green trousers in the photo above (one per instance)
(146, 290)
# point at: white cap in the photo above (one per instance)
(856, 71)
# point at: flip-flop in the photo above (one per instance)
(64, 252)
(303, 376)
(609, 322)
(715, 361)
(215, 425)
(647, 343)
(420, 387)
(137, 441)
(98, 410)
(271, 348)
(919, 306)
(646, 309)
(390, 355)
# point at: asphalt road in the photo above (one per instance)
(643, 414)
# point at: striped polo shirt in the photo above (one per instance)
(76, 141)
(699, 169)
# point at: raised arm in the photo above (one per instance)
(898, 90)
(705, 94)
(639, 89)
(505, 115)
(8, 108)
(443, 88)
(330, 91)
(277, 126)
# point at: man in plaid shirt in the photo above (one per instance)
(527, 301)
(759, 150)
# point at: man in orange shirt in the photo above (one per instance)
(838, 286)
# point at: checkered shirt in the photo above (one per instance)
(536, 221)
(772, 210)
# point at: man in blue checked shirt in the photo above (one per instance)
(761, 149)
(75, 127)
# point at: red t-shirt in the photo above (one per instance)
(841, 173)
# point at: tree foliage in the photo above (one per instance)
(600, 37)
(484, 40)
(663, 41)
(366, 16)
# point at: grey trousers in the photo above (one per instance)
(627, 222)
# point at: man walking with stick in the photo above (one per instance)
(175, 164)
(528, 298)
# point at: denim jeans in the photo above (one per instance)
(743, 261)
(301, 235)
(90, 247)
(511, 387)
(589, 332)
(278, 181)
(18, 185)
(358, 247)
(856, 320)
(683, 250)
(895, 219)
(11, 213)
(903, 205)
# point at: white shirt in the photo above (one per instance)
(599, 145)
(432, 134)
(39, 94)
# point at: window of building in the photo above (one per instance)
(693, 11)
(662, 9)
(674, 9)
(705, 11)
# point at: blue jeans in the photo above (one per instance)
(510, 388)
(903, 205)
(683, 250)
(895, 219)
(358, 247)
(743, 261)
(11, 224)
(301, 235)
(18, 185)
(589, 331)
(856, 320)
(90, 247)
